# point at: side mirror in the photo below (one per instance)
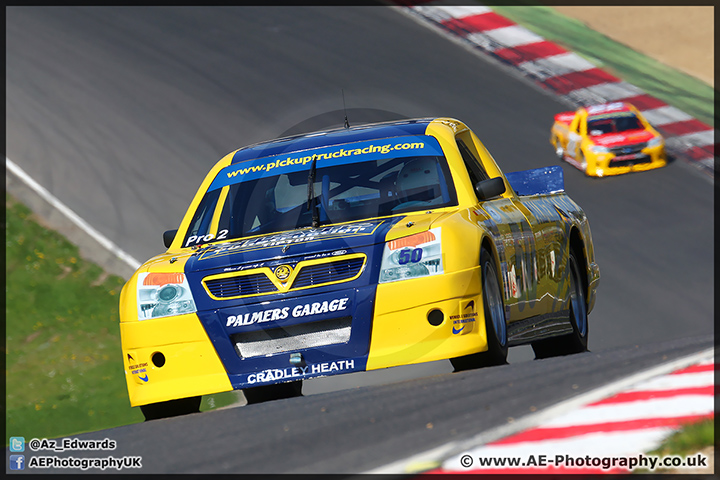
(490, 188)
(168, 237)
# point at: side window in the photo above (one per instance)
(474, 168)
(575, 125)
(200, 223)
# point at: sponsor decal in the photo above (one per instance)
(462, 320)
(137, 369)
(298, 236)
(610, 139)
(140, 370)
(368, 150)
(243, 267)
(298, 311)
(513, 283)
(275, 374)
(200, 239)
(324, 254)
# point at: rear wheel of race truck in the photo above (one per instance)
(171, 408)
(495, 325)
(278, 391)
(575, 342)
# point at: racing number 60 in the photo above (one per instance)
(407, 255)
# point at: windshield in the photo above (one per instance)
(618, 122)
(351, 182)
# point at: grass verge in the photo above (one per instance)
(64, 369)
(672, 86)
(689, 441)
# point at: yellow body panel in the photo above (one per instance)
(401, 331)
(191, 366)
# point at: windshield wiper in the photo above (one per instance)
(312, 201)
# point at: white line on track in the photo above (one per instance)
(71, 215)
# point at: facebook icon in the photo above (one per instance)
(17, 462)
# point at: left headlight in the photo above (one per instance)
(163, 295)
(415, 256)
(598, 149)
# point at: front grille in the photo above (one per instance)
(310, 273)
(241, 285)
(292, 337)
(630, 162)
(322, 273)
(628, 149)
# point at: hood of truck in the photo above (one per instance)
(301, 243)
(624, 138)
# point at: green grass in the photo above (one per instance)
(688, 440)
(64, 369)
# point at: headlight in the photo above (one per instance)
(163, 295)
(415, 256)
(598, 149)
(655, 141)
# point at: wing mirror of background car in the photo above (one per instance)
(490, 188)
(168, 237)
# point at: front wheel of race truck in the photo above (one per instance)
(278, 391)
(495, 323)
(171, 408)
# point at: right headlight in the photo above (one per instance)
(414, 256)
(655, 141)
(163, 295)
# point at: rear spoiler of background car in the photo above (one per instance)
(538, 181)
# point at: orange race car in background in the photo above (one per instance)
(607, 139)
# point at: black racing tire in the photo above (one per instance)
(171, 408)
(495, 322)
(577, 341)
(278, 391)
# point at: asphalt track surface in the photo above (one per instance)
(120, 112)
